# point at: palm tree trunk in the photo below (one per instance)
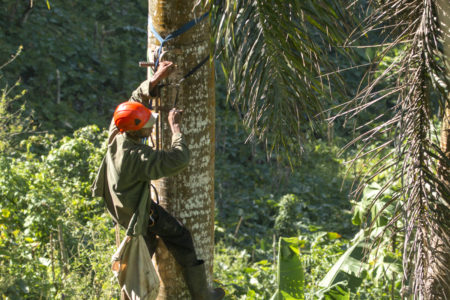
(189, 196)
(437, 285)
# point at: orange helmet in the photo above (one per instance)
(133, 116)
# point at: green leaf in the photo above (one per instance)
(333, 235)
(250, 270)
(5, 213)
(337, 291)
(290, 275)
(350, 266)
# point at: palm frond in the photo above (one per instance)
(274, 53)
(418, 73)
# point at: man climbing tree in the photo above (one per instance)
(179, 31)
(125, 173)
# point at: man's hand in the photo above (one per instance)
(175, 120)
(165, 68)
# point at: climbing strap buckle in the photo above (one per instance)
(151, 218)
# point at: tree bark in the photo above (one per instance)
(437, 279)
(188, 196)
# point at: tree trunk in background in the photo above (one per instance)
(437, 285)
(189, 196)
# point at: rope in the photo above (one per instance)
(192, 71)
(172, 35)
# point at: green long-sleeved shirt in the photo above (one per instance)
(128, 166)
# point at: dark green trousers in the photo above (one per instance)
(175, 235)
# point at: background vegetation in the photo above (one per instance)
(63, 70)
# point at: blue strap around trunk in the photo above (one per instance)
(173, 34)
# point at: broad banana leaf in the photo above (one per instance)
(350, 268)
(338, 291)
(290, 276)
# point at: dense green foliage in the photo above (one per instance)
(259, 202)
(55, 239)
(78, 58)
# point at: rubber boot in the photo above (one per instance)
(195, 278)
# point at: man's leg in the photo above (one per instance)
(178, 241)
(175, 235)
